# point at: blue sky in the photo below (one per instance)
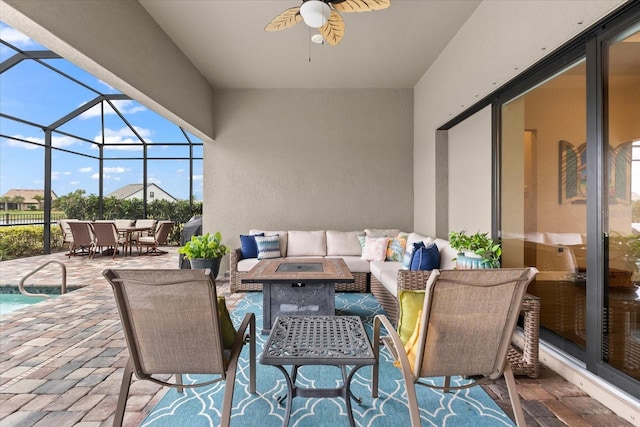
(34, 93)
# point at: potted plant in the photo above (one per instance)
(205, 251)
(475, 250)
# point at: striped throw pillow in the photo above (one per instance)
(268, 246)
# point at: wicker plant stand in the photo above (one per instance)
(523, 362)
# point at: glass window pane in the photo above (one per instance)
(621, 295)
(544, 196)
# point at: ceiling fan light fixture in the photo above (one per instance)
(317, 39)
(315, 13)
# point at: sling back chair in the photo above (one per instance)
(106, 234)
(465, 328)
(171, 323)
(82, 238)
(153, 243)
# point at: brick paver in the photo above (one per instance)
(62, 360)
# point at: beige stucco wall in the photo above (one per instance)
(470, 174)
(498, 42)
(119, 42)
(306, 159)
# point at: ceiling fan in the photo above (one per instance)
(324, 15)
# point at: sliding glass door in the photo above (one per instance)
(621, 219)
(569, 204)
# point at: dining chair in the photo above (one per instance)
(172, 326)
(465, 329)
(152, 243)
(106, 235)
(83, 239)
(67, 236)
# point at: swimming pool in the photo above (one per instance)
(10, 302)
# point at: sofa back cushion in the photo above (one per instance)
(282, 238)
(307, 243)
(381, 232)
(447, 254)
(344, 243)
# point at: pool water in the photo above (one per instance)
(10, 302)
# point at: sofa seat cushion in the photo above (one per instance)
(247, 264)
(354, 263)
(387, 273)
(282, 237)
(344, 243)
(306, 243)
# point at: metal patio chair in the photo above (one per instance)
(152, 243)
(172, 327)
(466, 326)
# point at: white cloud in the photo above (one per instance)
(197, 177)
(15, 37)
(125, 106)
(74, 182)
(95, 176)
(116, 139)
(56, 141)
(118, 169)
(85, 170)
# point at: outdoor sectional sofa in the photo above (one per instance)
(382, 278)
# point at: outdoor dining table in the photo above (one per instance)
(128, 232)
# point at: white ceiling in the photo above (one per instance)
(391, 48)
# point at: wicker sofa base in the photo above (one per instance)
(523, 362)
(359, 284)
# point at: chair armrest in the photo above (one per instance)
(414, 280)
(234, 257)
(242, 338)
(395, 345)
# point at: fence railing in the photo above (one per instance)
(9, 219)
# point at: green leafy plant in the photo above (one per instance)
(207, 246)
(480, 244)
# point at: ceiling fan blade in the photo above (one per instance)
(333, 30)
(361, 5)
(286, 19)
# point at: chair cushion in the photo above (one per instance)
(344, 243)
(306, 243)
(425, 257)
(268, 246)
(247, 264)
(248, 245)
(396, 248)
(410, 303)
(375, 249)
(226, 325)
(447, 254)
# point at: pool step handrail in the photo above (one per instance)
(63, 286)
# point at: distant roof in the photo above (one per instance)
(131, 189)
(28, 195)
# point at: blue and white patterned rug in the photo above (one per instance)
(201, 406)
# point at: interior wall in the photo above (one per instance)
(119, 42)
(309, 159)
(499, 41)
(470, 174)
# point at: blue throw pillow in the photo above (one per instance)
(426, 258)
(248, 246)
(408, 255)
